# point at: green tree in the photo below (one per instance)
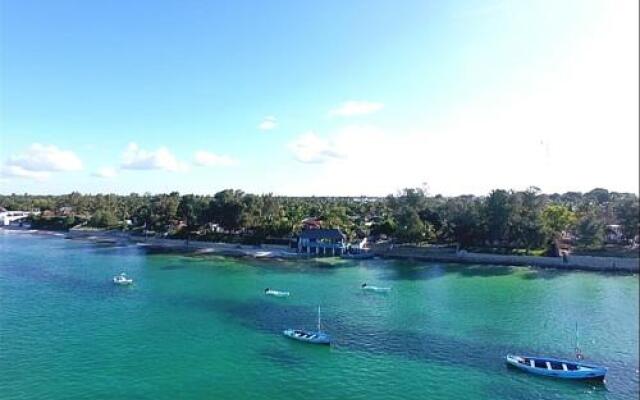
(526, 225)
(226, 209)
(628, 216)
(411, 228)
(497, 214)
(103, 219)
(557, 218)
(590, 231)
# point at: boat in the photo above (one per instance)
(276, 293)
(377, 289)
(317, 337)
(122, 279)
(557, 368)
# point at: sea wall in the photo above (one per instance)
(588, 263)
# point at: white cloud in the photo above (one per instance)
(268, 123)
(162, 159)
(106, 172)
(207, 159)
(310, 148)
(44, 158)
(351, 108)
(14, 171)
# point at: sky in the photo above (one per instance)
(318, 98)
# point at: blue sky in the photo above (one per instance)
(344, 98)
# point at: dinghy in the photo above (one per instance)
(122, 280)
(276, 293)
(556, 367)
(317, 337)
(371, 288)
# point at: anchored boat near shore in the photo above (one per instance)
(317, 337)
(556, 367)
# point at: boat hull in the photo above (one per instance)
(556, 368)
(277, 293)
(308, 337)
(376, 289)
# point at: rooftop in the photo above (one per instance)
(322, 234)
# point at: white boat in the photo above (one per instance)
(122, 279)
(314, 337)
(377, 289)
(276, 293)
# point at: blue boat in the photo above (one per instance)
(317, 337)
(556, 368)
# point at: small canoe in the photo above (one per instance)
(556, 368)
(276, 293)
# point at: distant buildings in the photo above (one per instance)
(321, 242)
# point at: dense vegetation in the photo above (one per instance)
(504, 219)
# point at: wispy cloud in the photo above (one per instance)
(161, 159)
(105, 172)
(353, 107)
(207, 159)
(268, 123)
(311, 148)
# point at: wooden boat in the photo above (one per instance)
(276, 293)
(317, 337)
(556, 368)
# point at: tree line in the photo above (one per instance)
(525, 219)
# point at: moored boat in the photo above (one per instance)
(122, 279)
(557, 368)
(377, 289)
(276, 293)
(317, 337)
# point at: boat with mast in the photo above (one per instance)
(314, 337)
(559, 368)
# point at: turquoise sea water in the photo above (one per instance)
(201, 328)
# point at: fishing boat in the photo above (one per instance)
(122, 279)
(556, 367)
(317, 337)
(376, 289)
(276, 293)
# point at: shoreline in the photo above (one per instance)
(282, 252)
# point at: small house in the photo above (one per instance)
(311, 223)
(322, 242)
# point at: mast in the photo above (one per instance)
(319, 319)
(579, 355)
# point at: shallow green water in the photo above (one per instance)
(200, 328)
